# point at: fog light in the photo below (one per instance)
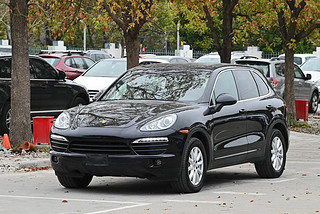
(157, 162)
(54, 159)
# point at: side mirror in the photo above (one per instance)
(221, 101)
(62, 75)
(308, 77)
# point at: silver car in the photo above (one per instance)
(304, 89)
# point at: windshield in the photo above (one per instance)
(107, 68)
(164, 85)
(52, 61)
(311, 65)
(260, 65)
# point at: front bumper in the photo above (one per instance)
(159, 167)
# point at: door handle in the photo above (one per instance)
(242, 111)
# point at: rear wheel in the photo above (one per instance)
(313, 104)
(275, 157)
(74, 182)
(193, 168)
(5, 118)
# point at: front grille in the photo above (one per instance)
(102, 147)
(59, 146)
(150, 148)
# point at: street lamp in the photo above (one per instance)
(84, 35)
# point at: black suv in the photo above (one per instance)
(173, 122)
(50, 92)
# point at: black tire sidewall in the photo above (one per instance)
(193, 142)
(311, 103)
(276, 133)
(3, 127)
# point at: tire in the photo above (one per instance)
(78, 101)
(74, 182)
(313, 104)
(5, 119)
(193, 160)
(275, 157)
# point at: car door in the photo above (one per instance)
(302, 88)
(228, 124)
(49, 95)
(259, 107)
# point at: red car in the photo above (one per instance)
(73, 64)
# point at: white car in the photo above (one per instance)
(215, 57)
(101, 75)
(299, 59)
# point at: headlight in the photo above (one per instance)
(63, 121)
(160, 123)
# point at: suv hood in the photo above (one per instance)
(122, 113)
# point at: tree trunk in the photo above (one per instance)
(90, 35)
(225, 51)
(20, 126)
(132, 48)
(289, 84)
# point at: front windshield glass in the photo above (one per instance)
(208, 59)
(162, 85)
(311, 65)
(107, 68)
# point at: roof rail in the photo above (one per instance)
(68, 52)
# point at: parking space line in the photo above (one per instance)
(191, 201)
(240, 193)
(133, 204)
(274, 181)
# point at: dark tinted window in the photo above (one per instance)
(5, 68)
(42, 70)
(263, 66)
(225, 84)
(262, 85)
(246, 85)
(280, 69)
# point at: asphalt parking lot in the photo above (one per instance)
(235, 189)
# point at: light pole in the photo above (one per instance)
(84, 35)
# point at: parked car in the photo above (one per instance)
(163, 59)
(312, 66)
(72, 63)
(299, 59)
(215, 57)
(101, 75)
(97, 55)
(173, 122)
(51, 94)
(304, 89)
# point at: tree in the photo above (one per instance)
(130, 16)
(296, 20)
(20, 125)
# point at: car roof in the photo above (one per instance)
(186, 66)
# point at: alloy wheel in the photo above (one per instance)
(277, 153)
(195, 166)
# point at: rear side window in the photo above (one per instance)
(5, 68)
(42, 70)
(246, 85)
(280, 69)
(262, 85)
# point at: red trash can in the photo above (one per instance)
(41, 129)
(302, 109)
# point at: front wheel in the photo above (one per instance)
(275, 157)
(74, 182)
(193, 168)
(313, 104)
(5, 118)
(79, 101)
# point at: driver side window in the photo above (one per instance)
(225, 84)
